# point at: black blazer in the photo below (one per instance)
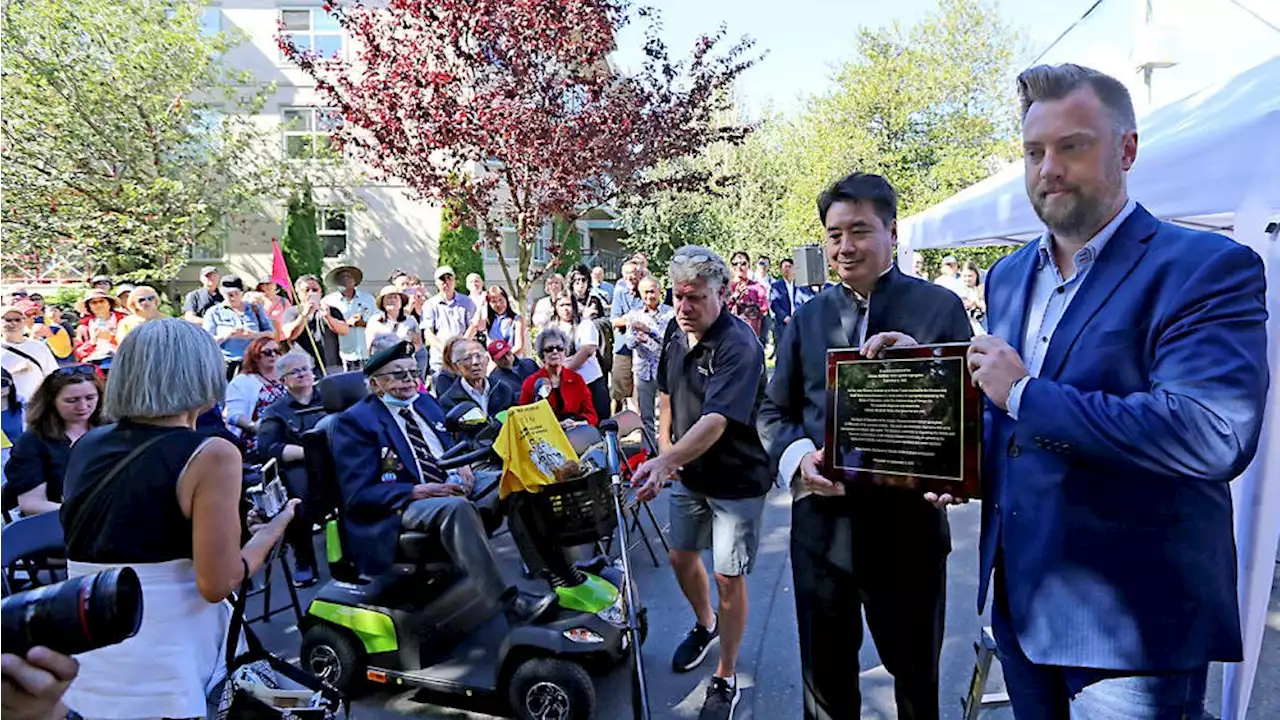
(501, 396)
(795, 407)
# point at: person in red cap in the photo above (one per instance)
(509, 368)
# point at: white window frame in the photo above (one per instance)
(540, 252)
(311, 33)
(312, 130)
(324, 234)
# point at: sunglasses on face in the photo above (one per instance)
(12, 319)
(147, 298)
(552, 349)
(270, 352)
(740, 263)
(396, 375)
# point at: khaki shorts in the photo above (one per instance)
(622, 383)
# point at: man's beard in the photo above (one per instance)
(1086, 213)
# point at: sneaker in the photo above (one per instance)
(721, 700)
(304, 576)
(694, 647)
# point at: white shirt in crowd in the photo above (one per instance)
(481, 396)
(404, 329)
(587, 334)
(951, 282)
(428, 434)
(28, 372)
(352, 346)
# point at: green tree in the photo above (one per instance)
(930, 107)
(300, 245)
(127, 140)
(458, 244)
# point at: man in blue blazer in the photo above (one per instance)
(785, 297)
(1125, 377)
(385, 448)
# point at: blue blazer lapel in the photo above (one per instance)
(1013, 295)
(1113, 265)
(396, 439)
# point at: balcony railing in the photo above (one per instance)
(607, 259)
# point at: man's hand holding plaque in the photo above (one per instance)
(903, 415)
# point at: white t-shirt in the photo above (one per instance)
(28, 375)
(583, 335)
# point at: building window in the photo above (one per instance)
(332, 225)
(312, 29)
(306, 131)
(511, 246)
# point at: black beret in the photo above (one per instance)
(400, 351)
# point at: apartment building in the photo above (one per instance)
(374, 226)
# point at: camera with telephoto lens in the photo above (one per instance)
(73, 616)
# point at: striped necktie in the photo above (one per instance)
(421, 452)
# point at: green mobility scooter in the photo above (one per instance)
(426, 624)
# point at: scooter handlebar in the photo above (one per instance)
(454, 458)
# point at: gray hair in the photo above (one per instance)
(694, 262)
(650, 277)
(461, 346)
(293, 359)
(546, 335)
(382, 342)
(165, 367)
(1054, 82)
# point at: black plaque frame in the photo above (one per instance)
(965, 481)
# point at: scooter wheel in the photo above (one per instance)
(332, 656)
(548, 689)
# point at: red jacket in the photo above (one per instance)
(571, 400)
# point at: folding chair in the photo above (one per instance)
(27, 545)
(978, 699)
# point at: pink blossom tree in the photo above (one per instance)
(511, 111)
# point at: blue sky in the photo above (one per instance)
(1209, 39)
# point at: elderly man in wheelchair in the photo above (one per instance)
(386, 451)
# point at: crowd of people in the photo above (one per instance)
(1124, 379)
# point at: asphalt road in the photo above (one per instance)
(769, 667)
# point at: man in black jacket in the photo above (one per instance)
(854, 545)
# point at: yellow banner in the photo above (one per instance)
(533, 447)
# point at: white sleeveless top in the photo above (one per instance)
(168, 669)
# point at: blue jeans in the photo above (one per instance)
(1051, 692)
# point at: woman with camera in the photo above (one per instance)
(65, 407)
(151, 493)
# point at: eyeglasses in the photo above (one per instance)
(82, 369)
(270, 352)
(146, 298)
(11, 319)
(474, 357)
(552, 349)
(298, 372)
(397, 375)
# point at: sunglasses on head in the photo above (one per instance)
(82, 369)
(397, 375)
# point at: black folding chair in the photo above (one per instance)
(28, 546)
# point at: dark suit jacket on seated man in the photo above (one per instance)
(1126, 376)
(854, 545)
(386, 448)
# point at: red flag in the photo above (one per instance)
(280, 271)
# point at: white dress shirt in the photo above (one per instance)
(428, 434)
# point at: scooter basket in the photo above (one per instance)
(580, 510)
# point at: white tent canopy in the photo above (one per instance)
(1211, 160)
(1198, 159)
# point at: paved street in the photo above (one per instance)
(770, 666)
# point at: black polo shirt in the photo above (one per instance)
(199, 301)
(723, 374)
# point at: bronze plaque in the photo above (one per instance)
(910, 418)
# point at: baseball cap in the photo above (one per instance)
(950, 260)
(444, 270)
(204, 271)
(498, 348)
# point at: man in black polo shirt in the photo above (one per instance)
(198, 301)
(710, 385)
